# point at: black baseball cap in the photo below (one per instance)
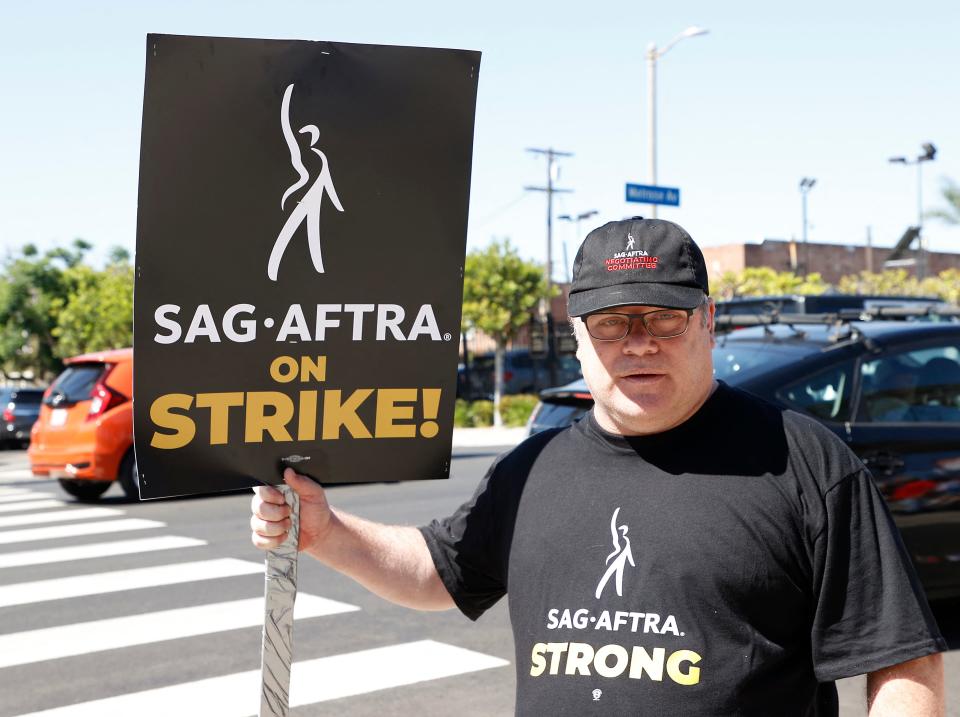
(637, 261)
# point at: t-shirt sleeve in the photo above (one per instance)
(468, 549)
(870, 610)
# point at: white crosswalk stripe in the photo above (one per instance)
(95, 550)
(22, 648)
(17, 475)
(52, 532)
(12, 491)
(137, 578)
(59, 516)
(24, 495)
(319, 680)
(31, 505)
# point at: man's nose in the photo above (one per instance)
(639, 340)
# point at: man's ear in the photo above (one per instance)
(711, 309)
(576, 336)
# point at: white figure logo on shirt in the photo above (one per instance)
(308, 208)
(618, 559)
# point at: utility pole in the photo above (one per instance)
(551, 155)
(552, 171)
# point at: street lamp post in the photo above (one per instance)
(806, 184)
(577, 219)
(654, 54)
(929, 153)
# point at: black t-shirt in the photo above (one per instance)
(734, 565)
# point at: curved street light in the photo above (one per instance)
(929, 153)
(806, 184)
(654, 54)
(577, 219)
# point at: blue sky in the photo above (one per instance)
(775, 92)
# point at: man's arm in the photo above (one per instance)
(910, 689)
(389, 560)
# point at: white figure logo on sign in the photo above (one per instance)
(620, 556)
(308, 208)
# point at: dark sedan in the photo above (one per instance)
(891, 390)
(21, 408)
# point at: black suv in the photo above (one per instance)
(21, 408)
(890, 389)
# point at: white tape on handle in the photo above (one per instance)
(281, 594)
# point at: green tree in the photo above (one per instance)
(946, 285)
(71, 256)
(951, 192)
(500, 290)
(766, 281)
(894, 282)
(32, 290)
(118, 255)
(98, 313)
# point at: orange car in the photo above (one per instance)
(84, 436)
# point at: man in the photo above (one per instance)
(761, 563)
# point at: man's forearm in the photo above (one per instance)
(390, 561)
(910, 689)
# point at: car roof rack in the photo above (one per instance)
(875, 313)
(840, 319)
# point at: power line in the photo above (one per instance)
(497, 212)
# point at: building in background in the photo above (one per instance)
(831, 261)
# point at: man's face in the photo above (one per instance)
(643, 384)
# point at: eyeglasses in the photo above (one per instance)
(661, 324)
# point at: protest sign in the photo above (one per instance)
(300, 245)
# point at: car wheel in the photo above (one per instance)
(129, 477)
(84, 489)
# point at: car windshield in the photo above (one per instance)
(736, 361)
(76, 383)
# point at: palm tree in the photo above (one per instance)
(951, 192)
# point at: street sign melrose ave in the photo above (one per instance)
(301, 235)
(649, 194)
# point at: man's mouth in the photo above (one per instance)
(642, 378)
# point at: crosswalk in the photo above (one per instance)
(95, 550)
(32, 535)
(42, 535)
(322, 679)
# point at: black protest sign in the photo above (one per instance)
(300, 246)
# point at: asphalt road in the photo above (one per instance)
(123, 642)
